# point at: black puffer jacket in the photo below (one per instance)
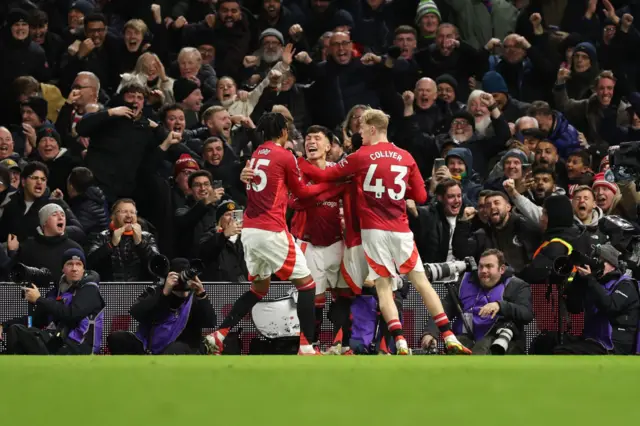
(125, 262)
(91, 210)
(23, 225)
(224, 259)
(45, 252)
(432, 232)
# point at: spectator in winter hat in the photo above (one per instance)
(183, 168)
(606, 191)
(584, 69)
(447, 92)
(427, 20)
(511, 108)
(189, 97)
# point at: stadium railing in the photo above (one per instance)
(120, 296)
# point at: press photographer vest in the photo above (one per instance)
(596, 323)
(472, 298)
(91, 325)
(156, 337)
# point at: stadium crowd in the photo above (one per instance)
(127, 130)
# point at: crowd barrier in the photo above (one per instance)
(120, 296)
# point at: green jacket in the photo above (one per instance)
(477, 26)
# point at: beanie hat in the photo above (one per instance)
(273, 33)
(493, 82)
(182, 88)
(39, 105)
(17, 15)
(225, 206)
(74, 254)
(424, 8)
(516, 153)
(183, 163)
(47, 132)
(589, 49)
(465, 115)
(82, 6)
(559, 211)
(601, 180)
(46, 211)
(342, 18)
(603, 163)
(609, 254)
(448, 79)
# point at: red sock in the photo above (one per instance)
(224, 331)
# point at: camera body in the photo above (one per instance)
(439, 271)
(563, 266)
(187, 275)
(160, 267)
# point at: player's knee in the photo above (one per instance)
(260, 288)
(304, 284)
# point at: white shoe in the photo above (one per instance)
(402, 348)
(334, 350)
(213, 343)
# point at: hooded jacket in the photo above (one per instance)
(470, 181)
(564, 136)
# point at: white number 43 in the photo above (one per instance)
(379, 189)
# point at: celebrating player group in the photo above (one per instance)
(376, 246)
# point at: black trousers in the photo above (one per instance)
(548, 344)
(483, 346)
(23, 340)
(126, 343)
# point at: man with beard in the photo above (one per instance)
(509, 232)
(219, 123)
(562, 134)
(122, 252)
(270, 52)
(45, 249)
(546, 155)
(530, 203)
(273, 14)
(490, 298)
(224, 167)
(586, 213)
(199, 214)
(433, 225)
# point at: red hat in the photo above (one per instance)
(183, 163)
(600, 180)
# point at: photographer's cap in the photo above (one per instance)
(609, 254)
(74, 254)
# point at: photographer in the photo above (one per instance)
(491, 301)
(171, 316)
(67, 321)
(611, 304)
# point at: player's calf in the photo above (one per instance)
(306, 312)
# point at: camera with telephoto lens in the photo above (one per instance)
(563, 265)
(22, 273)
(160, 266)
(440, 271)
(501, 343)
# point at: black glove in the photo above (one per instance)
(394, 52)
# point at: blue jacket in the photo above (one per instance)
(471, 185)
(564, 136)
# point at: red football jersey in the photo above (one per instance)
(352, 237)
(317, 221)
(275, 174)
(385, 175)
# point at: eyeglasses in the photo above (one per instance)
(460, 123)
(202, 185)
(37, 178)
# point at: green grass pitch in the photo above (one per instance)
(305, 391)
